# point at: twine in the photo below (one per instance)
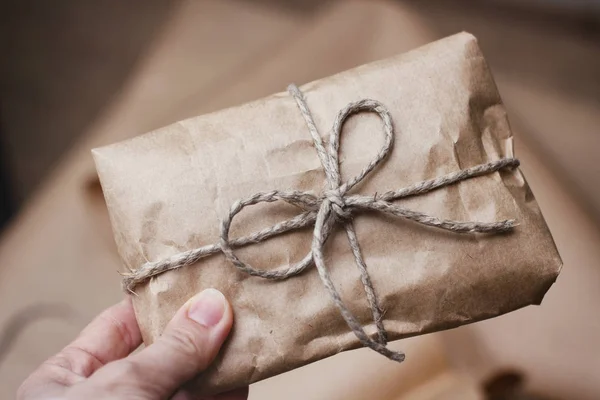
(334, 206)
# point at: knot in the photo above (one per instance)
(338, 204)
(321, 212)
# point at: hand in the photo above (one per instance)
(98, 364)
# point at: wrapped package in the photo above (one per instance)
(424, 186)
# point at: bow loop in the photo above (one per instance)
(365, 105)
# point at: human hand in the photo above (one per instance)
(98, 364)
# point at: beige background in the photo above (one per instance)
(186, 59)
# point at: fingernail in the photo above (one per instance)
(207, 308)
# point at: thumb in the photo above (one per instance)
(188, 346)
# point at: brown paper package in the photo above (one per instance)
(168, 190)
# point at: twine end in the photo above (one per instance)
(398, 357)
(512, 223)
(508, 225)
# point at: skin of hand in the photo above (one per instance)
(98, 364)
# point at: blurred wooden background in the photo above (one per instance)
(77, 74)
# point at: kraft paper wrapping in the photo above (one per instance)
(168, 190)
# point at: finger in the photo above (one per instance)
(188, 345)
(114, 334)
(111, 335)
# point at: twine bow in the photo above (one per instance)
(334, 205)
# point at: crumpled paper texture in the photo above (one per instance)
(167, 191)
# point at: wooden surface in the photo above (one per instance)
(58, 264)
